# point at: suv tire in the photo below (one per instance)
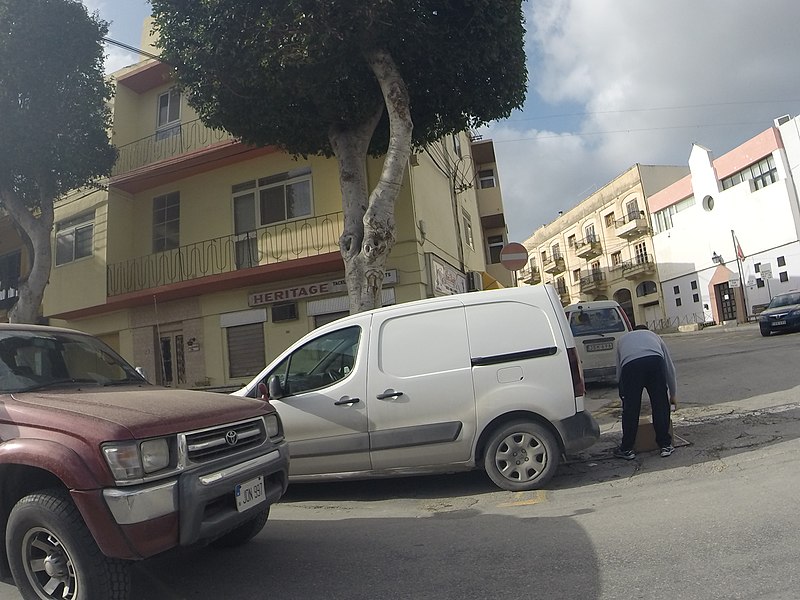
(521, 456)
(53, 555)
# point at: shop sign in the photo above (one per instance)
(300, 292)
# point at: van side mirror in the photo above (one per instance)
(275, 388)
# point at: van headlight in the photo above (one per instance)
(134, 460)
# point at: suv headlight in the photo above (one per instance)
(134, 460)
(274, 428)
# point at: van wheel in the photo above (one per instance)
(521, 455)
(53, 555)
(244, 532)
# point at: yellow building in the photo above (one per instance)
(201, 258)
(603, 248)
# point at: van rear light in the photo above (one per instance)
(577, 373)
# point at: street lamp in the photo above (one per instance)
(717, 259)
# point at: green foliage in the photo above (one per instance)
(53, 99)
(284, 71)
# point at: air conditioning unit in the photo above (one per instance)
(474, 281)
(781, 120)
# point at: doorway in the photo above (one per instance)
(726, 303)
(171, 370)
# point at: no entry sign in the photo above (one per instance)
(513, 256)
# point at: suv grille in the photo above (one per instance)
(212, 444)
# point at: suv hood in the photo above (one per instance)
(779, 310)
(145, 411)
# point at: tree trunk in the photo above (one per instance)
(369, 227)
(37, 229)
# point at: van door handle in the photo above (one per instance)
(390, 393)
(346, 400)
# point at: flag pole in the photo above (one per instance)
(737, 251)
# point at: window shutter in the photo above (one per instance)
(246, 349)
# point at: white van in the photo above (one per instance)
(485, 379)
(597, 327)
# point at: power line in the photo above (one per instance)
(131, 48)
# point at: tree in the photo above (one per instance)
(348, 78)
(54, 124)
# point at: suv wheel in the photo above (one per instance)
(53, 555)
(521, 455)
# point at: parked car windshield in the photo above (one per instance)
(32, 360)
(595, 321)
(785, 300)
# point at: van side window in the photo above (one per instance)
(422, 343)
(320, 362)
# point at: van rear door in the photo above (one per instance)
(421, 401)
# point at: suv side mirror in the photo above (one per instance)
(141, 372)
(275, 388)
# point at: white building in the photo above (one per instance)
(749, 195)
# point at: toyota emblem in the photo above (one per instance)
(231, 437)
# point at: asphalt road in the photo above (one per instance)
(716, 520)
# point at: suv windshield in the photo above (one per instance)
(785, 300)
(595, 321)
(31, 360)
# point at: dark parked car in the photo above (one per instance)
(782, 314)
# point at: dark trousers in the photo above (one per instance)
(650, 373)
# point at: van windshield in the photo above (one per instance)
(595, 321)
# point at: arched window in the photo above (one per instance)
(646, 288)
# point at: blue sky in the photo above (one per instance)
(614, 83)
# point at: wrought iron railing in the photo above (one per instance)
(268, 245)
(642, 262)
(593, 277)
(168, 143)
(633, 216)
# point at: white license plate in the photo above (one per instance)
(599, 347)
(250, 493)
(777, 323)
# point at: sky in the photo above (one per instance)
(613, 83)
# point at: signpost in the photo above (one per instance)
(513, 256)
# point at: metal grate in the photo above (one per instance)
(212, 444)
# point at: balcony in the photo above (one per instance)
(554, 264)
(638, 267)
(270, 245)
(530, 275)
(595, 281)
(631, 226)
(563, 293)
(588, 249)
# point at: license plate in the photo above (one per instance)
(249, 493)
(599, 347)
(777, 323)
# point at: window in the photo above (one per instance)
(495, 243)
(246, 355)
(595, 266)
(632, 209)
(74, 238)
(781, 261)
(166, 222)
(576, 275)
(486, 178)
(609, 218)
(10, 265)
(544, 257)
(784, 276)
(571, 241)
(662, 219)
(169, 114)
(757, 267)
(561, 286)
(616, 259)
(696, 297)
(320, 362)
(646, 288)
(640, 250)
(694, 285)
(590, 235)
(457, 145)
(284, 312)
(759, 282)
(468, 236)
(762, 173)
(273, 199)
(678, 302)
(556, 250)
(676, 289)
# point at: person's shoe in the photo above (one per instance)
(626, 454)
(666, 451)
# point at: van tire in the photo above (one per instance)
(521, 456)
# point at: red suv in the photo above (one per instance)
(99, 468)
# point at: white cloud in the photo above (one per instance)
(650, 78)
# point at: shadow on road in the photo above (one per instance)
(450, 555)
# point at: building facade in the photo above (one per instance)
(201, 258)
(726, 235)
(603, 249)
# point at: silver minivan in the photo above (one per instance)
(596, 327)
